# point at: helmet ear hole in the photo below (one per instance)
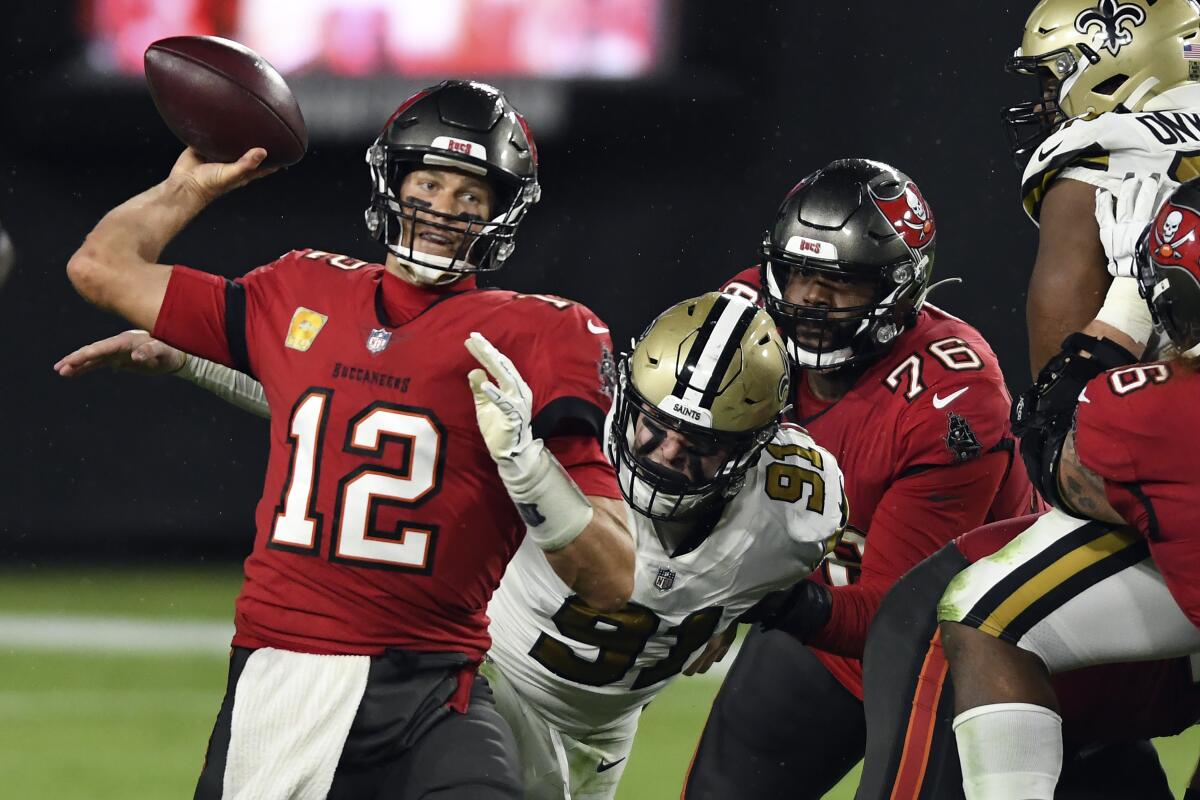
(1111, 86)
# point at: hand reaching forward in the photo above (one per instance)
(504, 404)
(135, 351)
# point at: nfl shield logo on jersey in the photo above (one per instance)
(378, 341)
(665, 579)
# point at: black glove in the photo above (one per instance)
(1044, 413)
(800, 611)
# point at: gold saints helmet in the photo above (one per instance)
(697, 400)
(1093, 56)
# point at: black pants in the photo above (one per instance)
(781, 726)
(905, 704)
(404, 741)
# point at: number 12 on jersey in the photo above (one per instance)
(363, 490)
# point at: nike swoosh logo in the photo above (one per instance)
(1083, 398)
(942, 402)
(596, 329)
(1043, 154)
(607, 765)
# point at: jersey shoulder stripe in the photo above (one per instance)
(1102, 150)
(798, 484)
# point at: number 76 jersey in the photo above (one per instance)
(584, 670)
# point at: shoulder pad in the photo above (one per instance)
(1083, 143)
(330, 259)
(806, 482)
(747, 284)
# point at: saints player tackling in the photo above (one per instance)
(726, 505)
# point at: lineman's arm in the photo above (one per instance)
(137, 351)
(1070, 275)
(116, 266)
(586, 539)
(596, 562)
(1081, 488)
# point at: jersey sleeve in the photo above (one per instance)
(916, 516)
(194, 313)
(1135, 429)
(1074, 151)
(583, 459)
(571, 370)
(960, 416)
(1113, 429)
(212, 317)
(747, 284)
(808, 478)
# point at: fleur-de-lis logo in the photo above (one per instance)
(1110, 19)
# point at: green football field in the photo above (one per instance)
(109, 681)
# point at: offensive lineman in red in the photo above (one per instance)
(386, 518)
(912, 402)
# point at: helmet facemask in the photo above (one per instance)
(714, 463)
(1028, 124)
(482, 245)
(844, 335)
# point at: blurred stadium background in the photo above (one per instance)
(668, 132)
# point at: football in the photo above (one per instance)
(221, 98)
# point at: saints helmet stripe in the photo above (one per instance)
(700, 377)
(1053, 576)
(726, 353)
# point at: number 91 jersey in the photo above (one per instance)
(584, 669)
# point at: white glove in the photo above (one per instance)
(1120, 229)
(554, 510)
(504, 409)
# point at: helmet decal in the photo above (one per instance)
(1169, 236)
(1168, 270)
(1108, 20)
(908, 214)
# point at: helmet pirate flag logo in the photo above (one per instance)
(1168, 231)
(908, 214)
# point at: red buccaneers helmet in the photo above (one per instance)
(855, 220)
(1168, 260)
(462, 125)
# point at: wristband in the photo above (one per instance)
(1126, 310)
(554, 510)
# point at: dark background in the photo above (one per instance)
(652, 192)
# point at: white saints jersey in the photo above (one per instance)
(585, 670)
(1162, 139)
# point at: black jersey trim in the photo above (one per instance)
(567, 415)
(235, 326)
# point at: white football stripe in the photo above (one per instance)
(707, 362)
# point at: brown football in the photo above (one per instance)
(221, 98)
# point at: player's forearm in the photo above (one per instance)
(143, 225)
(1070, 275)
(116, 266)
(598, 565)
(235, 388)
(1082, 489)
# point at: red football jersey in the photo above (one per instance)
(1135, 429)
(924, 442)
(383, 521)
